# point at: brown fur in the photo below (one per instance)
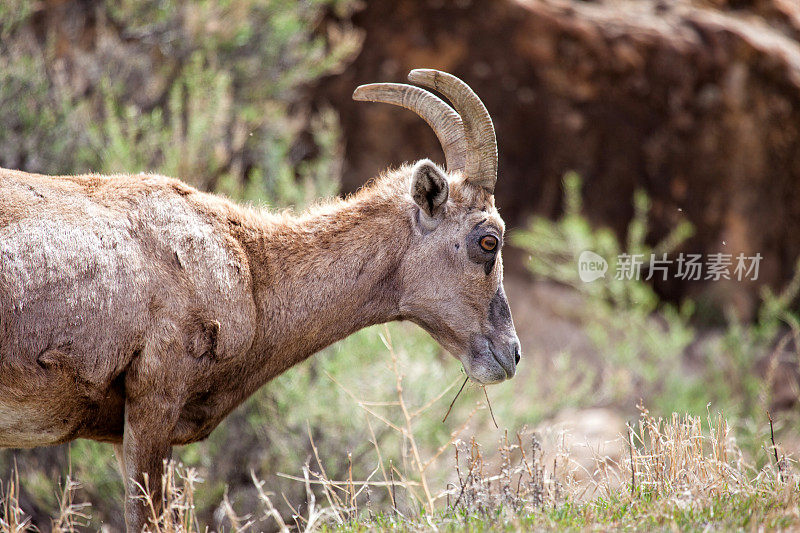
(138, 311)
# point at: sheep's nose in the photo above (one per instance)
(517, 354)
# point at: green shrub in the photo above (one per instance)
(639, 340)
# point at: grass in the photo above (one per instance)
(682, 472)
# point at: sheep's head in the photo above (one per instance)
(452, 274)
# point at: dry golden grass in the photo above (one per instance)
(680, 472)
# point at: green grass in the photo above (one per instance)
(723, 513)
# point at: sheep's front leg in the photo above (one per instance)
(146, 444)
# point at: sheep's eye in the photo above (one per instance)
(489, 243)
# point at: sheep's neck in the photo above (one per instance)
(321, 277)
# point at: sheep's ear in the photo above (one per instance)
(430, 191)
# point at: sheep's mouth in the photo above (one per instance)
(485, 366)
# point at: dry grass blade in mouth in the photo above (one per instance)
(490, 407)
(454, 400)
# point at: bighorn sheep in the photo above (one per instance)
(139, 311)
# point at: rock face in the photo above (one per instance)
(697, 102)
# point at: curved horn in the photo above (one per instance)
(481, 163)
(445, 122)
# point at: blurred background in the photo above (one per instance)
(624, 126)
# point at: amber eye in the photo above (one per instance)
(489, 243)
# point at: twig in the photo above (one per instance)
(366, 484)
(432, 401)
(490, 408)
(270, 512)
(633, 464)
(329, 494)
(351, 492)
(364, 406)
(774, 447)
(345, 486)
(454, 400)
(453, 435)
(394, 499)
(464, 485)
(296, 516)
(380, 459)
(407, 416)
